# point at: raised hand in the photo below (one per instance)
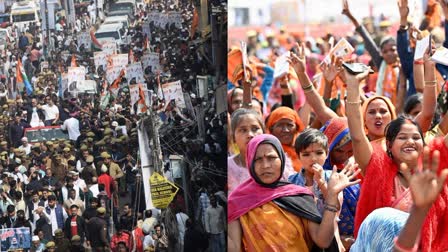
(340, 180)
(404, 10)
(330, 71)
(425, 185)
(346, 9)
(354, 80)
(444, 6)
(298, 61)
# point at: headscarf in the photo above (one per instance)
(287, 113)
(390, 106)
(388, 102)
(338, 135)
(230, 94)
(254, 193)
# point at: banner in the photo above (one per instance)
(15, 238)
(76, 74)
(135, 70)
(173, 91)
(64, 83)
(151, 60)
(100, 59)
(162, 191)
(162, 19)
(112, 73)
(84, 39)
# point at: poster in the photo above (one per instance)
(120, 59)
(135, 70)
(162, 191)
(14, 238)
(76, 74)
(84, 39)
(100, 59)
(173, 91)
(151, 60)
(112, 73)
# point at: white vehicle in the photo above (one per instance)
(117, 20)
(112, 32)
(24, 13)
(122, 7)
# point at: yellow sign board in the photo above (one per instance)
(162, 190)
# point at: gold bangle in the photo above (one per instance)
(353, 103)
(431, 83)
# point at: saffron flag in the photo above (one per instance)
(194, 23)
(141, 104)
(22, 78)
(115, 86)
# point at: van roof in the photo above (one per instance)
(110, 27)
(125, 1)
(23, 5)
(116, 18)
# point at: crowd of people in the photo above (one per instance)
(84, 191)
(326, 157)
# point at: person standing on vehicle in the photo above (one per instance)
(92, 12)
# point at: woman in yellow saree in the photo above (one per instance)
(266, 214)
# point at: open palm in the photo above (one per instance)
(425, 185)
(340, 180)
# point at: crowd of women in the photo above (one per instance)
(323, 158)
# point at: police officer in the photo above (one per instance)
(97, 235)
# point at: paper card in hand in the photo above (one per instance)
(440, 56)
(341, 49)
(421, 47)
(281, 65)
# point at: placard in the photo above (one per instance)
(100, 59)
(109, 47)
(153, 60)
(173, 91)
(133, 92)
(84, 39)
(135, 70)
(85, 86)
(76, 74)
(119, 59)
(112, 73)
